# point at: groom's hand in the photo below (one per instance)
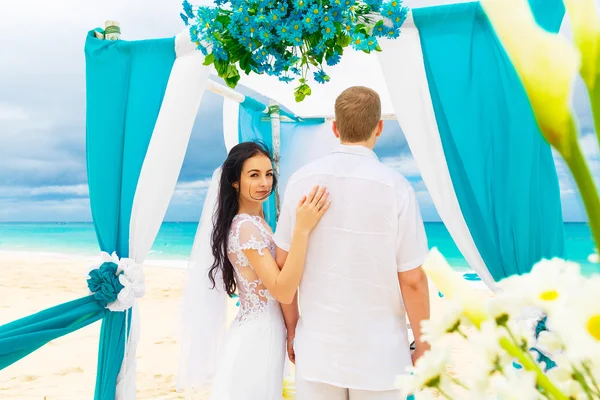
(290, 346)
(421, 349)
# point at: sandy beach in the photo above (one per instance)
(65, 368)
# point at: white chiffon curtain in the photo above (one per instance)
(403, 68)
(158, 177)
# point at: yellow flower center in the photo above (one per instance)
(389, 12)
(327, 30)
(326, 18)
(397, 19)
(252, 30)
(266, 34)
(283, 30)
(274, 17)
(347, 27)
(549, 295)
(593, 327)
(316, 11)
(307, 20)
(357, 41)
(394, 3)
(207, 25)
(370, 42)
(296, 27)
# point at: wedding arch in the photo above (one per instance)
(446, 80)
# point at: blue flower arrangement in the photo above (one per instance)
(288, 38)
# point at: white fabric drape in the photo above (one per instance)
(158, 177)
(231, 116)
(204, 309)
(403, 68)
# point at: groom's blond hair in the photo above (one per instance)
(357, 112)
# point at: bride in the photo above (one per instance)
(252, 364)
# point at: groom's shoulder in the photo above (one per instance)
(390, 176)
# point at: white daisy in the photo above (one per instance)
(434, 330)
(578, 322)
(515, 385)
(429, 371)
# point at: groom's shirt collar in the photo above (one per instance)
(358, 150)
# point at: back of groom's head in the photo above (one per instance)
(357, 113)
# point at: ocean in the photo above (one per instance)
(175, 239)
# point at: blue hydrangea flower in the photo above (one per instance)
(281, 9)
(301, 4)
(284, 32)
(320, 76)
(194, 33)
(187, 9)
(380, 30)
(265, 36)
(359, 41)
(375, 5)
(286, 79)
(310, 23)
(184, 18)
(104, 283)
(220, 53)
(334, 59)
(203, 49)
(328, 31)
(316, 12)
(392, 33)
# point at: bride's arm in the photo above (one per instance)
(282, 284)
(291, 313)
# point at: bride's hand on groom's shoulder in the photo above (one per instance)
(311, 208)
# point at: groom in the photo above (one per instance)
(362, 273)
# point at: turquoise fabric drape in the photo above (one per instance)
(501, 168)
(125, 85)
(23, 336)
(254, 125)
(252, 128)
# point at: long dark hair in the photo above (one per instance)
(228, 207)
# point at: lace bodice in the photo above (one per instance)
(249, 232)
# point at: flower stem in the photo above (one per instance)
(579, 168)
(529, 365)
(594, 95)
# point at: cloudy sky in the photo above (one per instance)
(42, 114)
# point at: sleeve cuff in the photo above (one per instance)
(407, 266)
(281, 244)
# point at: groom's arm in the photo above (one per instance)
(415, 295)
(411, 251)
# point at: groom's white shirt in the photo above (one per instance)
(352, 332)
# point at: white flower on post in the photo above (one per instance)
(547, 64)
(134, 285)
(130, 276)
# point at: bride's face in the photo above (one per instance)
(256, 180)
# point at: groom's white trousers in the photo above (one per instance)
(308, 390)
(312, 390)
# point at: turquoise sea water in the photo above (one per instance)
(175, 239)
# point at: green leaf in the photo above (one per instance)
(378, 48)
(209, 59)
(299, 97)
(232, 82)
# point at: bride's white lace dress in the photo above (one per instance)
(252, 366)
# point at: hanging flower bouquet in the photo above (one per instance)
(554, 352)
(287, 38)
